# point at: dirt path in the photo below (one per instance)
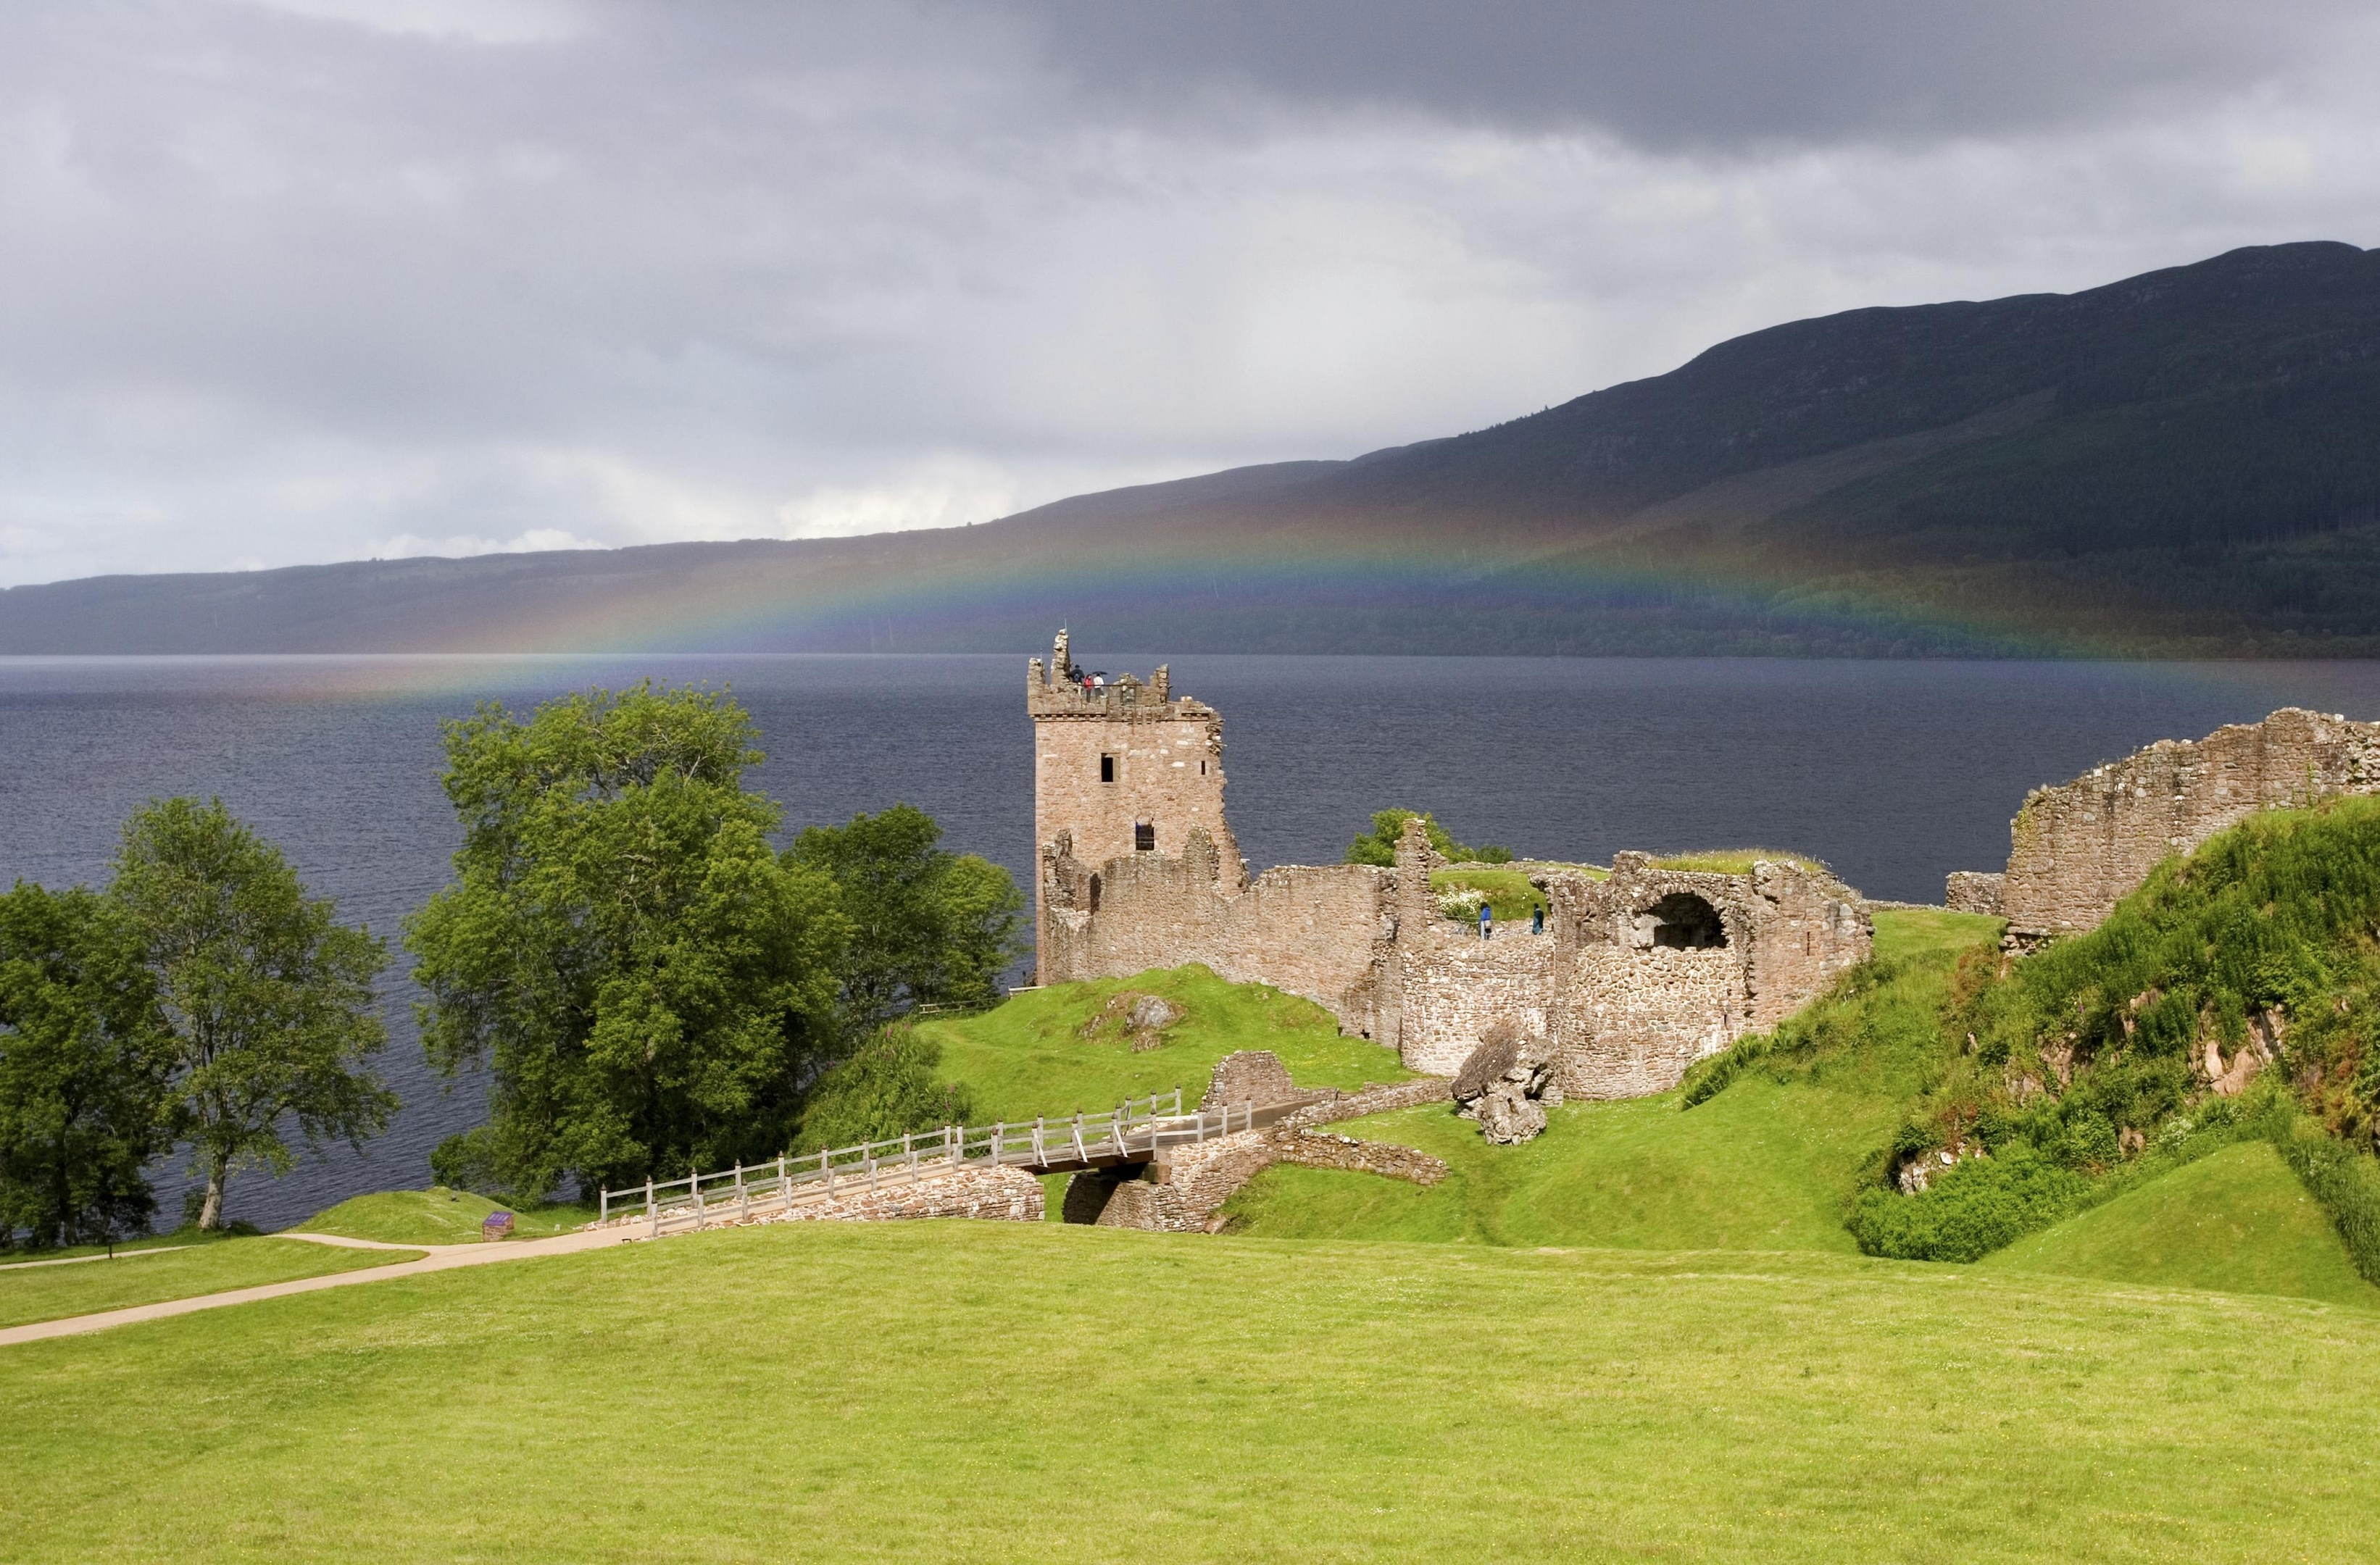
(439, 1257)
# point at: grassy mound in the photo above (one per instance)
(992, 1391)
(2238, 1220)
(437, 1216)
(1769, 1165)
(53, 1292)
(1053, 1051)
(2088, 1064)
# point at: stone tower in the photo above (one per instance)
(1122, 769)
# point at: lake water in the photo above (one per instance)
(1893, 772)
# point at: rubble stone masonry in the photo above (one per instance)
(2078, 849)
(1637, 976)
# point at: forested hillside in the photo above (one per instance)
(2187, 462)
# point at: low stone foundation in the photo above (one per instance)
(1972, 890)
(1182, 1191)
(997, 1194)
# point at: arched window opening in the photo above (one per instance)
(1144, 836)
(1683, 921)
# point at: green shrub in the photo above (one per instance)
(885, 1088)
(2345, 1180)
(1969, 1210)
(1379, 845)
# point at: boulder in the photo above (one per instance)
(1508, 1115)
(1506, 1085)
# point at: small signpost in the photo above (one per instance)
(496, 1225)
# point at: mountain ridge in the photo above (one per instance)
(2181, 463)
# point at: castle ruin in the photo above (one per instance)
(2078, 849)
(1639, 973)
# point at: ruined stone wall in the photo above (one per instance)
(1309, 930)
(1002, 1195)
(1970, 891)
(1805, 929)
(1636, 1019)
(2078, 849)
(1634, 1012)
(1455, 986)
(1182, 1190)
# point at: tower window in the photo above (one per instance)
(1107, 768)
(1202, 768)
(1144, 836)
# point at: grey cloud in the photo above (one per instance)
(1697, 74)
(278, 286)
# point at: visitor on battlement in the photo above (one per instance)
(1486, 921)
(1537, 920)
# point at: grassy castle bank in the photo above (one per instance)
(2128, 1319)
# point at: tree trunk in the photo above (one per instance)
(211, 1214)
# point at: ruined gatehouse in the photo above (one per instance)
(1640, 971)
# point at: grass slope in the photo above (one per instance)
(1769, 1164)
(437, 1216)
(2235, 1221)
(1030, 1055)
(53, 1292)
(993, 1392)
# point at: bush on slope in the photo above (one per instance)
(2081, 1070)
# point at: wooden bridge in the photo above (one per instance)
(1134, 1131)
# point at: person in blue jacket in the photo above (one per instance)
(1538, 920)
(1486, 918)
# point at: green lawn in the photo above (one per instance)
(2237, 1221)
(50, 1292)
(438, 1216)
(1508, 891)
(996, 1392)
(1903, 932)
(1734, 861)
(1760, 1167)
(1030, 1056)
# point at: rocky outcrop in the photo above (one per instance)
(1507, 1084)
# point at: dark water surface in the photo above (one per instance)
(1893, 772)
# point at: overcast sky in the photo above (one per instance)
(286, 281)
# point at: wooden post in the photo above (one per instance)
(742, 1191)
(826, 1166)
(694, 1180)
(651, 1210)
(999, 1131)
(784, 1184)
(603, 1211)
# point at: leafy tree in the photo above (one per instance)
(269, 998)
(885, 1088)
(84, 1065)
(930, 925)
(1379, 845)
(651, 984)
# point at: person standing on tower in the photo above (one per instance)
(1486, 920)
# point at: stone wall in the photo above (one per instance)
(1002, 1195)
(1636, 1010)
(1455, 985)
(2078, 849)
(1628, 990)
(1309, 930)
(1972, 890)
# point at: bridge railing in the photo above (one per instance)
(1138, 1126)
